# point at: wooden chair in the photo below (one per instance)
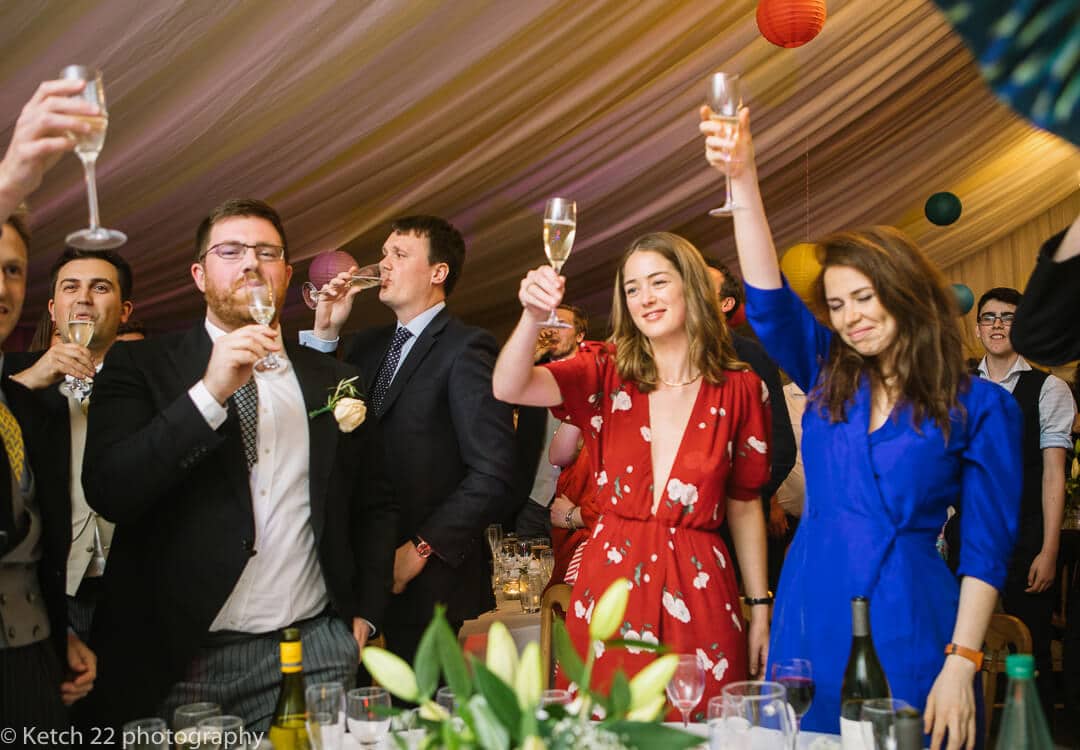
(1006, 635)
(558, 594)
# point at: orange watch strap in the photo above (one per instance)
(975, 657)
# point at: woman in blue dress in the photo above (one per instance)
(894, 432)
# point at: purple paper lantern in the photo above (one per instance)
(328, 265)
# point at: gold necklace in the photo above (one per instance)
(679, 385)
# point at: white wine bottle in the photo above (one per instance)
(864, 679)
(288, 728)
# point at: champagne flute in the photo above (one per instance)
(262, 306)
(221, 733)
(87, 148)
(185, 720)
(367, 712)
(686, 686)
(797, 677)
(326, 715)
(560, 226)
(365, 278)
(724, 100)
(79, 331)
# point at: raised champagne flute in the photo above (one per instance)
(87, 148)
(560, 226)
(262, 306)
(365, 278)
(79, 330)
(724, 100)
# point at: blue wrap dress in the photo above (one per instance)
(875, 503)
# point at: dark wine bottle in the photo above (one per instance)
(864, 679)
(288, 728)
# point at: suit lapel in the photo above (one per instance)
(416, 355)
(316, 373)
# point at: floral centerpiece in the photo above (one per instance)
(499, 699)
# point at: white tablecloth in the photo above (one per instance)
(523, 627)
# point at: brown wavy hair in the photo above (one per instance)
(927, 354)
(711, 350)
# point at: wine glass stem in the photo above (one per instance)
(727, 190)
(685, 718)
(89, 163)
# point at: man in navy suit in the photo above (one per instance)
(450, 444)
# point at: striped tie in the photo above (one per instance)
(13, 441)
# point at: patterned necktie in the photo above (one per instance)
(389, 365)
(13, 441)
(246, 400)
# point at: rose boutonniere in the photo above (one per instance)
(345, 402)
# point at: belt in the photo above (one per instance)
(220, 638)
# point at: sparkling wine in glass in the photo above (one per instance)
(725, 99)
(797, 677)
(262, 307)
(560, 226)
(686, 686)
(367, 712)
(367, 277)
(79, 330)
(87, 148)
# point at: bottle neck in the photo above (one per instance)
(860, 618)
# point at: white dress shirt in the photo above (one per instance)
(1057, 409)
(283, 582)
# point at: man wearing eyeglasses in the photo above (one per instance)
(237, 514)
(1049, 409)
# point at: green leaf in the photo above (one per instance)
(567, 656)
(426, 663)
(658, 648)
(453, 663)
(652, 736)
(489, 732)
(620, 694)
(500, 698)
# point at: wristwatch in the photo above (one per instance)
(975, 657)
(752, 602)
(422, 548)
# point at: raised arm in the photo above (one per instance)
(753, 239)
(516, 380)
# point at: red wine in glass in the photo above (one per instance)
(800, 693)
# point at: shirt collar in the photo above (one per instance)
(1020, 365)
(417, 325)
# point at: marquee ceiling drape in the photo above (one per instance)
(346, 114)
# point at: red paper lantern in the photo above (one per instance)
(790, 23)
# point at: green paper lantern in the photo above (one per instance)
(943, 209)
(965, 298)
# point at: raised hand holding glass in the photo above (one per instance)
(724, 100)
(365, 278)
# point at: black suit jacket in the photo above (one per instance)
(179, 493)
(1046, 328)
(450, 447)
(40, 441)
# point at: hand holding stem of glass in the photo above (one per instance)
(367, 277)
(262, 306)
(724, 100)
(87, 148)
(560, 226)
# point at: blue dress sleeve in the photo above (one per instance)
(790, 332)
(991, 483)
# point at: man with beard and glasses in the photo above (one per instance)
(237, 514)
(88, 286)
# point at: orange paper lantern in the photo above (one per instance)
(790, 23)
(801, 267)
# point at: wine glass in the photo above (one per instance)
(724, 101)
(87, 148)
(78, 330)
(686, 686)
(187, 717)
(879, 722)
(365, 278)
(757, 715)
(325, 704)
(145, 734)
(262, 306)
(444, 696)
(797, 677)
(560, 226)
(367, 711)
(221, 733)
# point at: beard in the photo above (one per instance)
(229, 306)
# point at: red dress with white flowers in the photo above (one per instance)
(684, 593)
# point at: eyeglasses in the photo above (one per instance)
(231, 252)
(988, 319)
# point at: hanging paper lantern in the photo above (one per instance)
(328, 265)
(801, 267)
(790, 23)
(943, 209)
(965, 298)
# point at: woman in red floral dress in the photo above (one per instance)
(681, 430)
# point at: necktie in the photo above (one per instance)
(13, 441)
(246, 400)
(389, 365)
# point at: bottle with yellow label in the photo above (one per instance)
(288, 728)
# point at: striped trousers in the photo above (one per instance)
(30, 679)
(242, 673)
